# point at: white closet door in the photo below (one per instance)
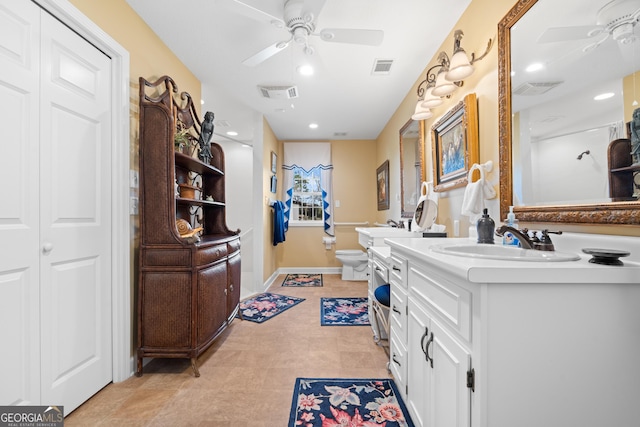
(55, 221)
(75, 217)
(19, 203)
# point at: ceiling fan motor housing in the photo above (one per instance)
(619, 17)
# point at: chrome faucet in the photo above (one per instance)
(522, 235)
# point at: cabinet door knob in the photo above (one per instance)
(225, 291)
(231, 287)
(47, 247)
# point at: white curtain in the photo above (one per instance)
(309, 156)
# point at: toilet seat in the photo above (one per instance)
(349, 252)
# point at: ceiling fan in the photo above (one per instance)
(615, 19)
(299, 19)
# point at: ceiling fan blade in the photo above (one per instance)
(347, 35)
(562, 34)
(251, 12)
(265, 54)
(313, 7)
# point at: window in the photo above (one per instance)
(306, 207)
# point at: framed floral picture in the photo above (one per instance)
(455, 144)
(382, 186)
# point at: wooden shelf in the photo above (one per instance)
(195, 165)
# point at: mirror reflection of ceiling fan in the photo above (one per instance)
(615, 19)
(299, 19)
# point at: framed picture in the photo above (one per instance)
(274, 184)
(382, 186)
(455, 144)
(274, 162)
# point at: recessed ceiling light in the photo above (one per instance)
(232, 133)
(603, 96)
(305, 70)
(313, 126)
(534, 67)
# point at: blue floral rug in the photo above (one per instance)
(344, 311)
(264, 306)
(324, 402)
(303, 280)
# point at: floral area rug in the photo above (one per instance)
(319, 402)
(303, 280)
(264, 306)
(344, 311)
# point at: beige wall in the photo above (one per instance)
(354, 172)
(270, 144)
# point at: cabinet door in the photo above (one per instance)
(419, 373)
(437, 373)
(233, 292)
(449, 396)
(212, 301)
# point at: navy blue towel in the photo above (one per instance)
(278, 222)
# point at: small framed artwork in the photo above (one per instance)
(274, 162)
(274, 184)
(382, 186)
(455, 144)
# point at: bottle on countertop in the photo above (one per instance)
(508, 238)
(485, 227)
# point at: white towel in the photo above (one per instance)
(477, 192)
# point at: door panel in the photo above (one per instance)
(75, 219)
(19, 153)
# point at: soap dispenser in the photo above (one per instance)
(485, 228)
(508, 238)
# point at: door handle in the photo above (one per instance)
(47, 247)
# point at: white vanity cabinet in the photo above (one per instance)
(494, 343)
(438, 356)
(398, 322)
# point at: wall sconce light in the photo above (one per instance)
(449, 78)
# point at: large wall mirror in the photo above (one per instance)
(411, 166)
(554, 134)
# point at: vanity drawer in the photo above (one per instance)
(398, 270)
(380, 269)
(446, 300)
(398, 364)
(398, 312)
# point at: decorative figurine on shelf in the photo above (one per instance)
(635, 137)
(206, 132)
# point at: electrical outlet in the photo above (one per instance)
(133, 206)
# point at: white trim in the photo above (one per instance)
(121, 313)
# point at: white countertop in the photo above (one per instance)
(480, 270)
(383, 252)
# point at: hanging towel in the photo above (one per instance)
(278, 222)
(477, 192)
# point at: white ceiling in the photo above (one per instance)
(212, 39)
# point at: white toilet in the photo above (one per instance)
(354, 264)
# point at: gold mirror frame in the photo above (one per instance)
(405, 211)
(601, 213)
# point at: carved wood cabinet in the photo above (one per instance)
(188, 291)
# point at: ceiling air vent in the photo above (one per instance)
(279, 92)
(221, 123)
(530, 88)
(382, 67)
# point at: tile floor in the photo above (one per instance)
(247, 375)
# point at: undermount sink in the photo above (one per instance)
(507, 253)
